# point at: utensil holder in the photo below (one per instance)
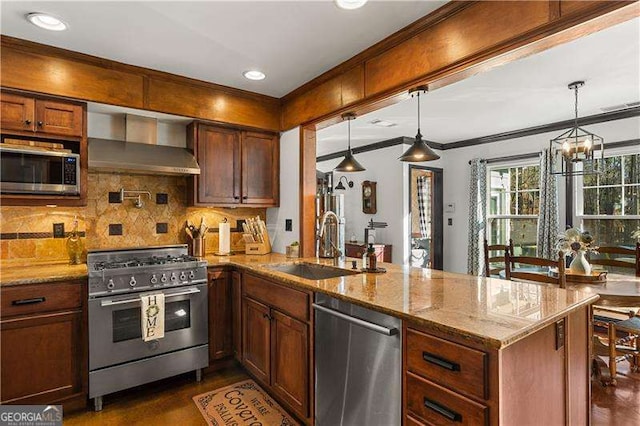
(197, 247)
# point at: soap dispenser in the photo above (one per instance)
(371, 258)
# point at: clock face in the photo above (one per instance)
(367, 191)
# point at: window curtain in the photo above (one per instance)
(548, 216)
(424, 205)
(477, 216)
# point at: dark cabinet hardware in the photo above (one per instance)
(27, 122)
(40, 123)
(245, 197)
(28, 301)
(267, 316)
(443, 411)
(440, 362)
(236, 197)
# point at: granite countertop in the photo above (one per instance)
(489, 311)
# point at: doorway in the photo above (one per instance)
(426, 217)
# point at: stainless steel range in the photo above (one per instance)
(118, 356)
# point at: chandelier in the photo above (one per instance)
(576, 151)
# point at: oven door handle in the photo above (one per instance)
(166, 296)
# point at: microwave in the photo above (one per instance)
(28, 171)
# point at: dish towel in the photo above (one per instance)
(152, 315)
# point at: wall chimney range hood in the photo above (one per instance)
(140, 153)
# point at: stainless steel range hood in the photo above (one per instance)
(140, 153)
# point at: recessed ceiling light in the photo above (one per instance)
(254, 75)
(46, 21)
(350, 4)
(382, 123)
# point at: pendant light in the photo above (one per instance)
(419, 151)
(349, 164)
(576, 151)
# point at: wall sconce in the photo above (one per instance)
(340, 186)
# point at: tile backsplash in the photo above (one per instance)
(27, 232)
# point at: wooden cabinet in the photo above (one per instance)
(220, 315)
(43, 356)
(236, 167)
(383, 251)
(257, 339)
(236, 321)
(277, 341)
(43, 116)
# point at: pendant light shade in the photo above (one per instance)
(576, 151)
(349, 163)
(419, 151)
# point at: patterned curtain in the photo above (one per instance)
(477, 216)
(548, 217)
(424, 205)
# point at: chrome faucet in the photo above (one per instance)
(337, 254)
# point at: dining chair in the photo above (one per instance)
(633, 254)
(623, 342)
(526, 269)
(498, 258)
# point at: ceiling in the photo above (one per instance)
(290, 41)
(528, 92)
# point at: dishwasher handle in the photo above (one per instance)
(357, 321)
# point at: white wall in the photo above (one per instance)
(289, 194)
(456, 179)
(391, 175)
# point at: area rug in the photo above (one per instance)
(243, 403)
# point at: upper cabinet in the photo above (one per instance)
(41, 116)
(237, 167)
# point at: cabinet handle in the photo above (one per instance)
(440, 362)
(28, 301)
(245, 197)
(27, 122)
(40, 123)
(236, 197)
(442, 410)
(267, 316)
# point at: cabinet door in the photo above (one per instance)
(260, 168)
(236, 304)
(289, 365)
(219, 160)
(220, 343)
(58, 118)
(41, 358)
(18, 112)
(256, 341)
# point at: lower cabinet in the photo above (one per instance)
(236, 308)
(43, 358)
(220, 315)
(276, 344)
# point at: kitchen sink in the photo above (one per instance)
(312, 271)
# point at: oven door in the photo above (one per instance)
(115, 330)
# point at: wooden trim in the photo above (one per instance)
(91, 78)
(545, 128)
(307, 191)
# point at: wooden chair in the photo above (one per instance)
(633, 253)
(511, 272)
(623, 343)
(498, 258)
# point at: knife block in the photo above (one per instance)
(259, 248)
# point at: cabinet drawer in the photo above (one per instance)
(436, 405)
(288, 300)
(36, 298)
(449, 364)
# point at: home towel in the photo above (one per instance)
(152, 315)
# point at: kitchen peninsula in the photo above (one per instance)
(493, 340)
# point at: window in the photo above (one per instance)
(514, 193)
(608, 204)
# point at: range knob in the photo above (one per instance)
(191, 275)
(132, 281)
(183, 276)
(111, 285)
(174, 277)
(163, 278)
(154, 279)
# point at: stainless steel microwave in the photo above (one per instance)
(27, 171)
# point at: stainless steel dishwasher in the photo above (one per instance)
(358, 365)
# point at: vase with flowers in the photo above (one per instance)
(636, 234)
(579, 243)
